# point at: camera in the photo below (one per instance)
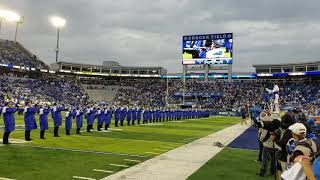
(274, 123)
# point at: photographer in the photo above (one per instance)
(284, 136)
(267, 137)
(281, 135)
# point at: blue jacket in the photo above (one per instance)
(43, 118)
(100, 114)
(29, 118)
(129, 115)
(133, 114)
(117, 115)
(108, 116)
(90, 116)
(56, 115)
(256, 110)
(122, 114)
(139, 114)
(145, 115)
(79, 118)
(69, 117)
(8, 118)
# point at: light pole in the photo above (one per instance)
(17, 25)
(167, 98)
(2, 17)
(10, 16)
(58, 23)
(0, 22)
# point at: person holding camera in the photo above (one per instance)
(267, 137)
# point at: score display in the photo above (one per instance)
(207, 49)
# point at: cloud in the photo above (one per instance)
(149, 33)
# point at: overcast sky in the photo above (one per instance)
(149, 32)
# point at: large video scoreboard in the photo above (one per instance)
(207, 49)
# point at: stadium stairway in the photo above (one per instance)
(100, 93)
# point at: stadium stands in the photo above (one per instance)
(15, 54)
(40, 90)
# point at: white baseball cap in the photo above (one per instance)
(298, 128)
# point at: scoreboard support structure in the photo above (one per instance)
(206, 68)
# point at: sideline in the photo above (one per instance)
(180, 163)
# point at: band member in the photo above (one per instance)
(9, 121)
(43, 118)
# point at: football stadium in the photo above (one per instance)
(65, 114)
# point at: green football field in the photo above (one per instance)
(99, 154)
(231, 164)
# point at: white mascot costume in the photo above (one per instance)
(275, 108)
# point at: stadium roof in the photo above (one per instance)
(289, 64)
(101, 66)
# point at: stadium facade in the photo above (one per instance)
(101, 70)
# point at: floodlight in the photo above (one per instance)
(58, 22)
(10, 16)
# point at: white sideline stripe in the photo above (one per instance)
(100, 170)
(132, 160)
(177, 164)
(119, 165)
(152, 153)
(79, 177)
(2, 178)
(163, 150)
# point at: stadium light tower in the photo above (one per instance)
(167, 97)
(2, 16)
(58, 23)
(10, 16)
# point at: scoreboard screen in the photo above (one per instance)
(207, 49)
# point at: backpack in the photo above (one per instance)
(308, 144)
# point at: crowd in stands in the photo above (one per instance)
(230, 96)
(41, 90)
(11, 53)
(146, 94)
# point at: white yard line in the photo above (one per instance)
(101, 170)
(166, 147)
(163, 150)
(115, 129)
(151, 124)
(180, 163)
(79, 177)
(132, 160)
(152, 153)
(178, 121)
(119, 165)
(79, 150)
(3, 178)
